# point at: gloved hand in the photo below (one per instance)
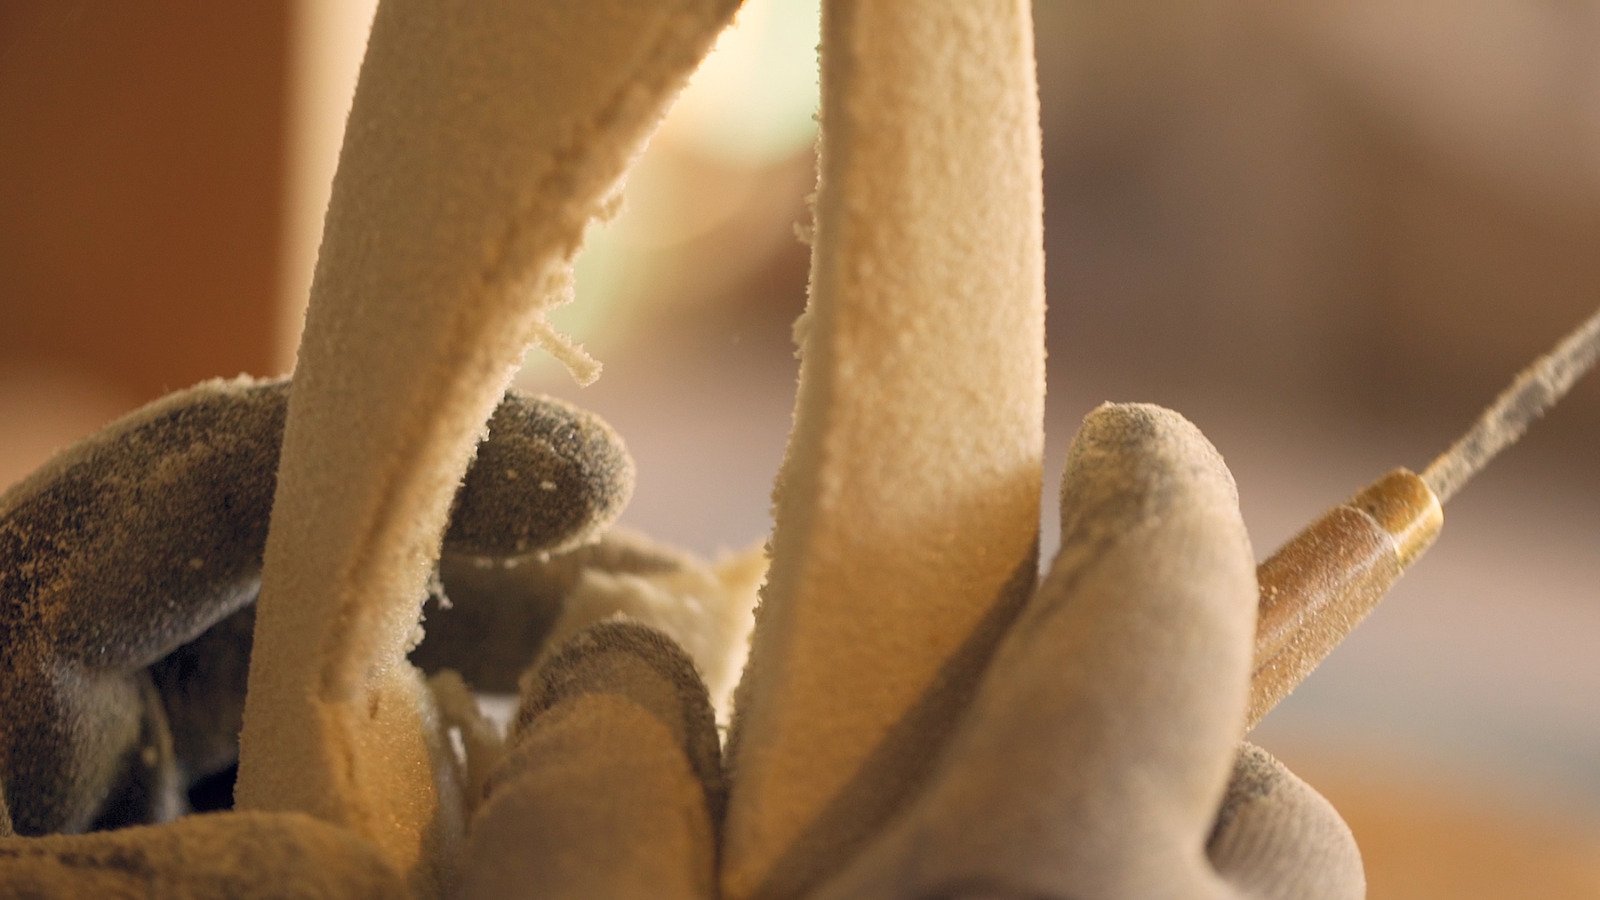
(127, 570)
(1099, 758)
(127, 566)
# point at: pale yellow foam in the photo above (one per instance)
(484, 136)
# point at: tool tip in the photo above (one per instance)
(1530, 395)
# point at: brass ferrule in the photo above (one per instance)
(1403, 505)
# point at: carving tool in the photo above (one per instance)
(1324, 581)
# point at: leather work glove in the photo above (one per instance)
(1099, 757)
(128, 566)
(1096, 757)
(99, 584)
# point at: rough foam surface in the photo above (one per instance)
(907, 509)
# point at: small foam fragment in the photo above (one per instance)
(502, 614)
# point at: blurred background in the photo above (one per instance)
(1326, 233)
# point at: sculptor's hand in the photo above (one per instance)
(1100, 758)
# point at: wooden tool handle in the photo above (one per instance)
(1324, 581)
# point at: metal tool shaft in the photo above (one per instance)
(1535, 390)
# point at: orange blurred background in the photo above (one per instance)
(1326, 234)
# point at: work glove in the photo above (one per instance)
(128, 571)
(611, 784)
(1099, 757)
(128, 565)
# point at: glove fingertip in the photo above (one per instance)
(548, 477)
(647, 669)
(611, 783)
(1276, 836)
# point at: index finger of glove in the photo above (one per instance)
(144, 535)
(1135, 652)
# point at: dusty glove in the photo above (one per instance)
(1100, 756)
(612, 782)
(118, 556)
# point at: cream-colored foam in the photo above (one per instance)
(706, 610)
(908, 505)
(484, 136)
